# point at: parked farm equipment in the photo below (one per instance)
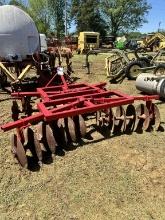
(153, 42)
(59, 118)
(155, 64)
(19, 39)
(88, 41)
(118, 65)
(20, 52)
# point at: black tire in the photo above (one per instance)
(132, 69)
(159, 70)
(139, 50)
(145, 61)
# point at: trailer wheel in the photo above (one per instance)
(139, 50)
(159, 70)
(132, 70)
(145, 61)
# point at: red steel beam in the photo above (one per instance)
(61, 100)
(23, 122)
(63, 112)
(89, 109)
(147, 97)
(75, 99)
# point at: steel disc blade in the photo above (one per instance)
(41, 136)
(142, 117)
(50, 139)
(83, 128)
(156, 117)
(111, 119)
(25, 135)
(33, 143)
(120, 119)
(107, 123)
(138, 121)
(40, 128)
(71, 128)
(98, 116)
(37, 146)
(18, 150)
(146, 122)
(131, 117)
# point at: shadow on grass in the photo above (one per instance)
(47, 157)
(74, 78)
(33, 164)
(6, 99)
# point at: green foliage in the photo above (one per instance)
(48, 15)
(134, 35)
(115, 16)
(18, 3)
(87, 16)
(56, 9)
(2, 2)
(39, 11)
(124, 15)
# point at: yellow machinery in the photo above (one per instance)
(88, 41)
(154, 42)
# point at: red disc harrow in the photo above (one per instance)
(59, 118)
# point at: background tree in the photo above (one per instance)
(18, 3)
(134, 35)
(2, 2)
(56, 8)
(117, 16)
(39, 11)
(87, 16)
(124, 15)
(48, 15)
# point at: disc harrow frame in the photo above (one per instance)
(59, 117)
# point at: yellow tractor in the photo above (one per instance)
(88, 41)
(154, 42)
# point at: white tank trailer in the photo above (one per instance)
(19, 36)
(151, 84)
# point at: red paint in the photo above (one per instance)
(71, 100)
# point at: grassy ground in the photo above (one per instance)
(122, 177)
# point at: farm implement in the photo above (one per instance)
(58, 118)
